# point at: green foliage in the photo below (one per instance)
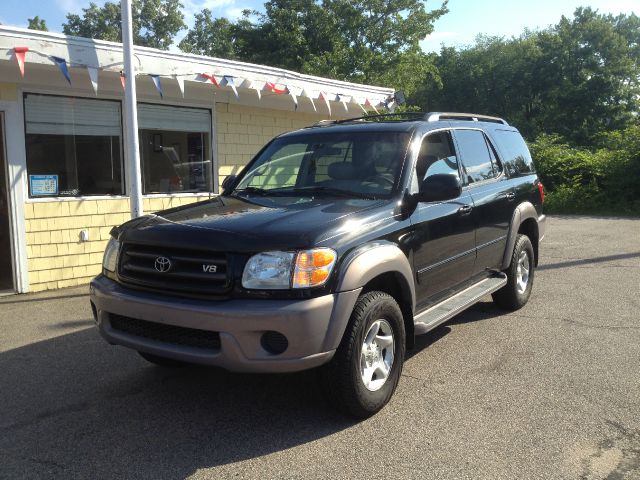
(37, 23)
(155, 22)
(373, 41)
(603, 179)
(576, 79)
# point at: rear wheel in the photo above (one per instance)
(516, 292)
(162, 361)
(366, 368)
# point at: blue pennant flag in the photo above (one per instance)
(156, 82)
(228, 80)
(62, 65)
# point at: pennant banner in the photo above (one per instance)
(368, 103)
(180, 81)
(344, 99)
(93, 76)
(228, 80)
(325, 97)
(156, 82)
(123, 80)
(62, 65)
(210, 78)
(278, 89)
(305, 93)
(20, 53)
(294, 95)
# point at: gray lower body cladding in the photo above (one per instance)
(233, 329)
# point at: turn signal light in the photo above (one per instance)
(313, 267)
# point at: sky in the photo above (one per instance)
(465, 20)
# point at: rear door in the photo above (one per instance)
(492, 195)
(443, 233)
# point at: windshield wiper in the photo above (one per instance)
(253, 190)
(333, 191)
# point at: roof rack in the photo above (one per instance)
(473, 117)
(412, 115)
(409, 116)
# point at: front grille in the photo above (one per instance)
(190, 337)
(189, 272)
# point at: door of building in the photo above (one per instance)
(6, 268)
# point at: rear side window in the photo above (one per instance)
(477, 161)
(515, 154)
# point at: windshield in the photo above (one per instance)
(357, 165)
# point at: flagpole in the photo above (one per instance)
(131, 112)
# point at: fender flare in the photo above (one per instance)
(523, 212)
(357, 269)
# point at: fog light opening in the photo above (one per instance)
(274, 342)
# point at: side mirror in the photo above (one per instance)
(439, 187)
(228, 182)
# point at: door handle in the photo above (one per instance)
(465, 210)
(510, 196)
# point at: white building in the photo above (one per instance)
(62, 164)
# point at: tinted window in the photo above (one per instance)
(517, 159)
(436, 156)
(476, 159)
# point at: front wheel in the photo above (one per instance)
(516, 292)
(366, 368)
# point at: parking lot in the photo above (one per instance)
(551, 391)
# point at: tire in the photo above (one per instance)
(162, 361)
(377, 315)
(514, 295)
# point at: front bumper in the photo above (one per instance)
(313, 327)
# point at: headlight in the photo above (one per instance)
(268, 270)
(110, 259)
(283, 270)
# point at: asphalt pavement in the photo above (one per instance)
(549, 392)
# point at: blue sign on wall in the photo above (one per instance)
(41, 185)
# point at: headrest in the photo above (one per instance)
(342, 171)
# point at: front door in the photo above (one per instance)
(6, 270)
(444, 232)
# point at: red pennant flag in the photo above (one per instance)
(20, 53)
(211, 78)
(272, 87)
(123, 80)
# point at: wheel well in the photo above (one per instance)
(530, 228)
(395, 285)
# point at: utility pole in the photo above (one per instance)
(131, 112)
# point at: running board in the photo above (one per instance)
(440, 313)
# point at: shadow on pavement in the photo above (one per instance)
(587, 261)
(73, 406)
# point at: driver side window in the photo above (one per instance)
(436, 155)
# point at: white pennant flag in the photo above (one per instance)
(93, 76)
(294, 95)
(305, 93)
(180, 81)
(344, 99)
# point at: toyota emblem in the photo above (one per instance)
(163, 264)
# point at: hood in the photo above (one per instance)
(245, 225)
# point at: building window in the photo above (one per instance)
(175, 148)
(73, 146)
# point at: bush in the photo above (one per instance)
(602, 180)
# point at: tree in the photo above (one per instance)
(155, 22)
(373, 41)
(576, 79)
(37, 23)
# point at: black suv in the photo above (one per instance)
(333, 248)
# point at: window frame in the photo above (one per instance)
(123, 161)
(414, 184)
